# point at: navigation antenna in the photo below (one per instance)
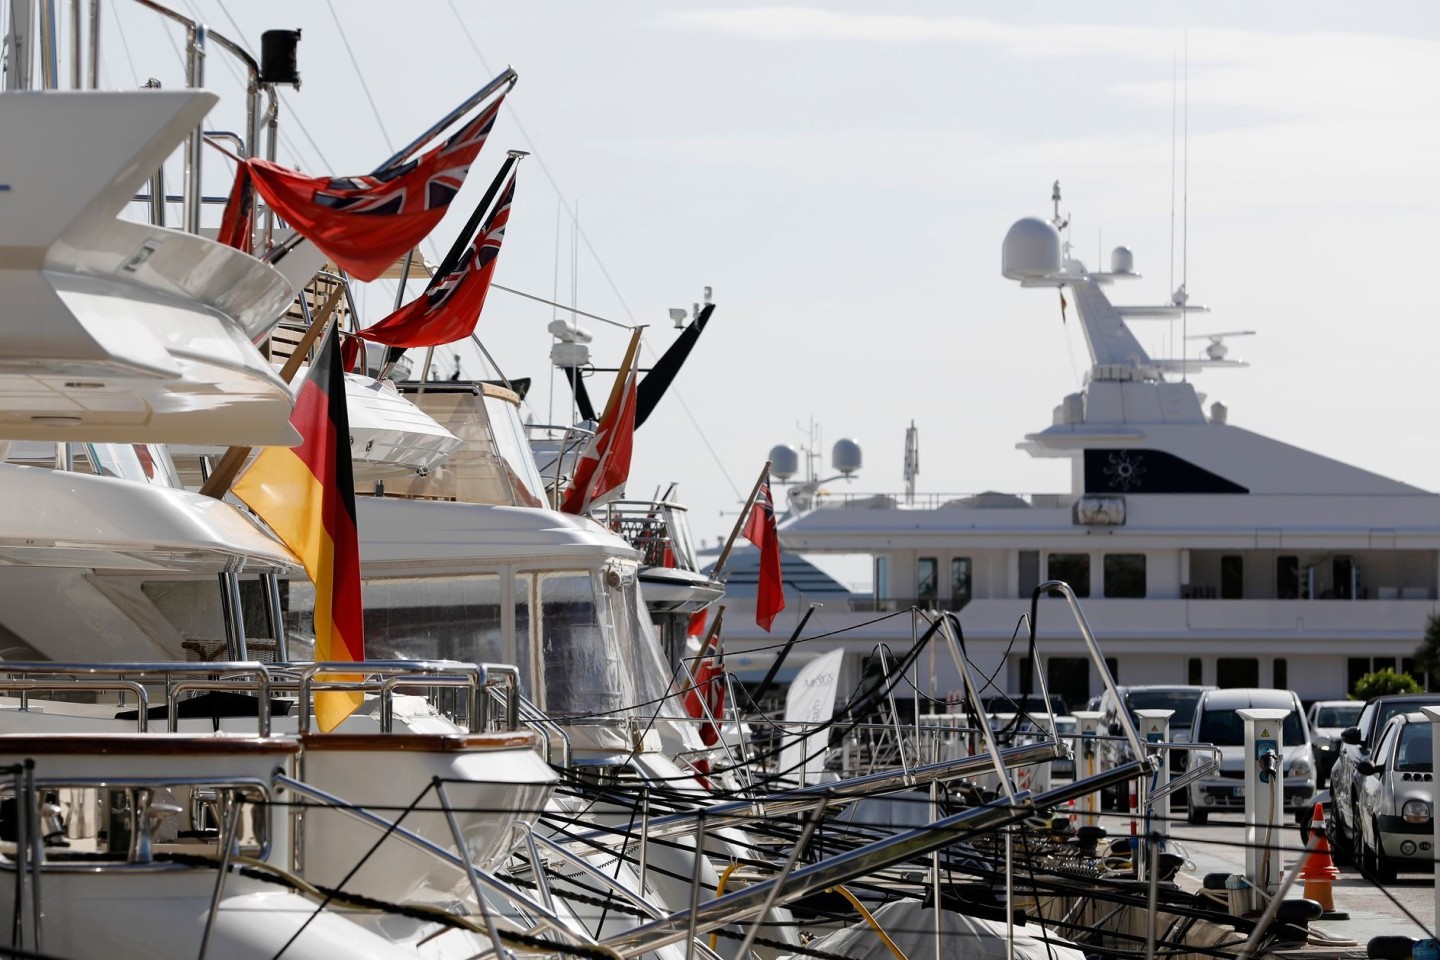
(912, 462)
(1060, 223)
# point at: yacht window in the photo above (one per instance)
(584, 675)
(1028, 562)
(435, 618)
(1073, 568)
(927, 572)
(1344, 573)
(1237, 672)
(1125, 575)
(524, 642)
(1113, 666)
(1287, 578)
(1232, 577)
(514, 450)
(1280, 673)
(1194, 671)
(882, 576)
(140, 462)
(960, 569)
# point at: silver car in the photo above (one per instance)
(1218, 723)
(1396, 791)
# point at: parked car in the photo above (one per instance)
(1033, 704)
(1328, 719)
(1217, 722)
(1357, 743)
(1116, 750)
(1394, 805)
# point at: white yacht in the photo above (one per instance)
(1207, 553)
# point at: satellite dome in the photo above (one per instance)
(845, 456)
(784, 461)
(1031, 250)
(1122, 260)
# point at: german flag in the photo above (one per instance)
(306, 494)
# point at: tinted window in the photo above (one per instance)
(1388, 710)
(1181, 701)
(1340, 716)
(1073, 568)
(1124, 575)
(1225, 728)
(1415, 753)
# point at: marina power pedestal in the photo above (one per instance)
(1155, 728)
(1264, 798)
(1433, 715)
(1087, 762)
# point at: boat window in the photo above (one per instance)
(882, 577)
(192, 608)
(524, 643)
(1125, 575)
(1232, 577)
(1073, 568)
(435, 618)
(1345, 574)
(960, 569)
(927, 572)
(1028, 567)
(584, 675)
(514, 450)
(1194, 671)
(1280, 674)
(653, 675)
(1287, 578)
(1237, 672)
(140, 462)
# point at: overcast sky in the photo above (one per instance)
(843, 177)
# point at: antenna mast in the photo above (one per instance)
(912, 462)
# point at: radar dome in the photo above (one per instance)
(845, 456)
(784, 461)
(1031, 250)
(1122, 260)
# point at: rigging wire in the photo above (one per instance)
(594, 254)
(354, 61)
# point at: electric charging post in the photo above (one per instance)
(1087, 762)
(1264, 797)
(1155, 728)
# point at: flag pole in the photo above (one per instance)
(218, 483)
(710, 636)
(740, 523)
(623, 374)
(463, 239)
(507, 77)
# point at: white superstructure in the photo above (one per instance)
(1207, 553)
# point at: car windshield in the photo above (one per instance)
(1341, 715)
(1181, 701)
(1414, 755)
(1225, 728)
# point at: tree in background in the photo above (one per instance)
(1382, 683)
(1427, 655)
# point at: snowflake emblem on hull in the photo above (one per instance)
(1125, 471)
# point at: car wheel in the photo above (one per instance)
(1341, 849)
(1197, 816)
(1382, 867)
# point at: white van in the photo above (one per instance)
(1217, 722)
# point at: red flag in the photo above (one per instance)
(364, 223)
(449, 310)
(307, 496)
(605, 465)
(706, 699)
(760, 530)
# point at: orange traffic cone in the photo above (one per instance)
(1320, 872)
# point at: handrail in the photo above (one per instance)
(860, 862)
(142, 716)
(417, 671)
(550, 920)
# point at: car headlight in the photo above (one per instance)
(1415, 811)
(1299, 767)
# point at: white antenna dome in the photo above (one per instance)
(1031, 250)
(1122, 260)
(784, 461)
(845, 456)
(569, 332)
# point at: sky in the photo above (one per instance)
(842, 176)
